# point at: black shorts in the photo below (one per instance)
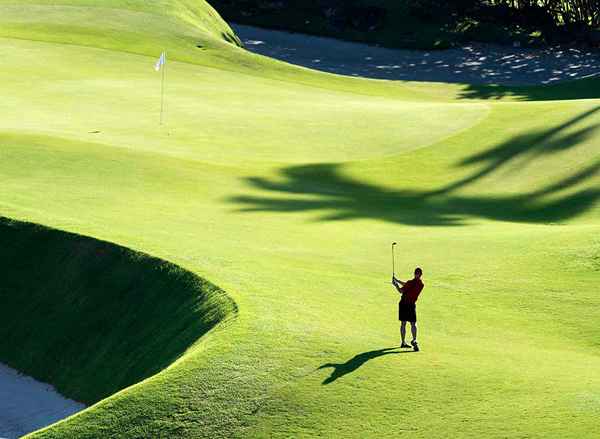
(407, 312)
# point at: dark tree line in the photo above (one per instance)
(426, 23)
(558, 20)
(585, 13)
(557, 13)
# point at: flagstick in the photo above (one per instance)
(162, 89)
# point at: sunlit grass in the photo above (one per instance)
(285, 188)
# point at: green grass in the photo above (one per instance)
(285, 188)
(100, 316)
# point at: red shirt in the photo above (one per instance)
(411, 291)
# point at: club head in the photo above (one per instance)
(394, 243)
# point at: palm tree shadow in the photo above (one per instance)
(578, 89)
(324, 188)
(341, 369)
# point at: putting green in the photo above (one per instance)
(285, 187)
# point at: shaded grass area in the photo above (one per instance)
(588, 88)
(324, 188)
(339, 197)
(92, 317)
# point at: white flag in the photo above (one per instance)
(161, 61)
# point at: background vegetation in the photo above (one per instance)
(426, 23)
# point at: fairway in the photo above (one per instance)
(279, 191)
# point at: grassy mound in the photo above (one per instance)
(285, 187)
(116, 23)
(92, 317)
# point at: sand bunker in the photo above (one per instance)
(27, 405)
(472, 63)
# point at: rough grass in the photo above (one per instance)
(285, 187)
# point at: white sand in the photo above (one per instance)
(473, 63)
(27, 405)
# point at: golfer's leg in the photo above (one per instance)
(413, 329)
(403, 331)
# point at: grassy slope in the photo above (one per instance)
(100, 316)
(285, 187)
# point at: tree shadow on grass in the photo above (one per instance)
(588, 88)
(323, 187)
(341, 369)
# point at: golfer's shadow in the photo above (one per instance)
(341, 369)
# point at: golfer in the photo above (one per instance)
(407, 308)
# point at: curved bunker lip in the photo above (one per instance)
(90, 317)
(27, 405)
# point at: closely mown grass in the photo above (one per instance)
(285, 187)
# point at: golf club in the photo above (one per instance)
(393, 261)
